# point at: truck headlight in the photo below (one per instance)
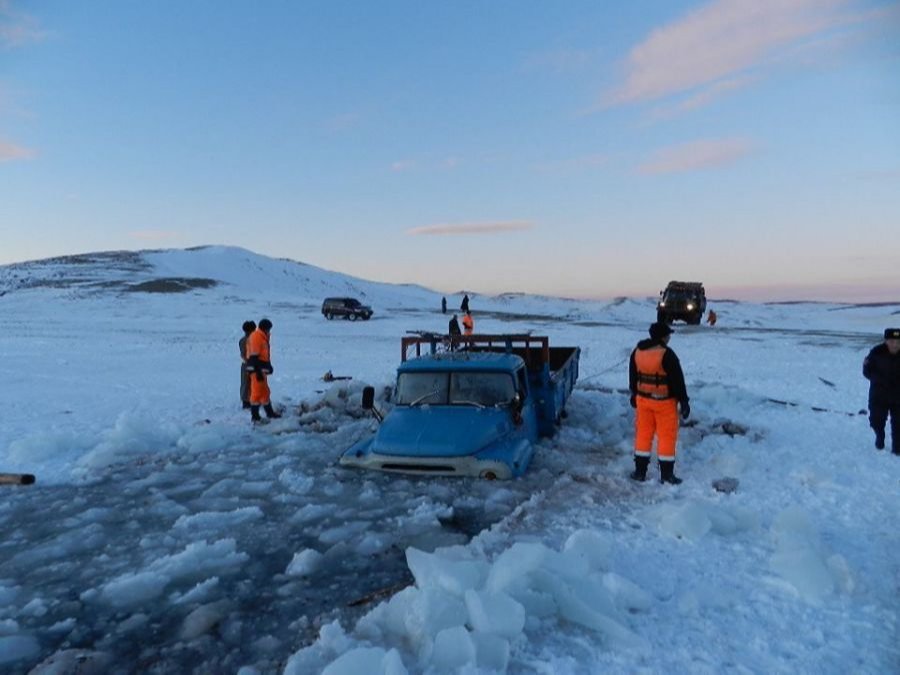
(690, 305)
(662, 303)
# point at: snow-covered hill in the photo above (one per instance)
(165, 534)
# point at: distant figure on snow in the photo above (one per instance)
(657, 390)
(443, 305)
(882, 369)
(468, 324)
(464, 305)
(259, 363)
(248, 327)
(711, 318)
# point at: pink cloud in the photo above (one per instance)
(17, 29)
(696, 155)
(720, 40)
(11, 151)
(470, 228)
(403, 165)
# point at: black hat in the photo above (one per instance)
(248, 326)
(265, 325)
(892, 333)
(659, 330)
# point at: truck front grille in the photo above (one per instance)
(423, 468)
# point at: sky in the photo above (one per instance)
(584, 150)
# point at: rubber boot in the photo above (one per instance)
(270, 412)
(879, 440)
(640, 469)
(254, 414)
(667, 473)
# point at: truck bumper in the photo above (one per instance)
(501, 460)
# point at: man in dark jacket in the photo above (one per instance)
(657, 390)
(882, 369)
(464, 305)
(248, 327)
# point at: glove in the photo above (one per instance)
(685, 410)
(269, 369)
(633, 401)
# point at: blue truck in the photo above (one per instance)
(469, 406)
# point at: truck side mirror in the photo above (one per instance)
(518, 403)
(368, 398)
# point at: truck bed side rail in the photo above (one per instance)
(535, 350)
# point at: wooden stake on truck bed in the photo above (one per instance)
(16, 478)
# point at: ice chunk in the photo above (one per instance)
(799, 558)
(453, 649)
(367, 661)
(203, 619)
(218, 520)
(455, 576)
(495, 613)
(77, 661)
(589, 545)
(688, 521)
(304, 563)
(134, 588)
(510, 568)
(492, 652)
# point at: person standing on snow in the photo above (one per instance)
(464, 305)
(468, 324)
(657, 390)
(882, 369)
(711, 318)
(443, 305)
(259, 365)
(248, 327)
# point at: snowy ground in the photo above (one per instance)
(164, 534)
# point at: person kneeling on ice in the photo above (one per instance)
(657, 390)
(882, 369)
(259, 365)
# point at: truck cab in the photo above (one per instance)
(475, 411)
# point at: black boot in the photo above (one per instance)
(246, 405)
(270, 412)
(640, 469)
(667, 473)
(879, 440)
(254, 414)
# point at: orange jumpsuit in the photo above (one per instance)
(258, 345)
(657, 393)
(468, 324)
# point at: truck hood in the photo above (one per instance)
(440, 431)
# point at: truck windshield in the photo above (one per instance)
(484, 389)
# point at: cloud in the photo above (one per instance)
(696, 155)
(704, 97)
(17, 29)
(11, 151)
(470, 228)
(153, 235)
(403, 165)
(720, 40)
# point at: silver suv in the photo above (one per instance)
(347, 308)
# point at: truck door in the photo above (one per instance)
(528, 412)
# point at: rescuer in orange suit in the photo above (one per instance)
(468, 324)
(711, 318)
(259, 366)
(657, 390)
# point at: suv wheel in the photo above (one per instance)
(329, 316)
(352, 317)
